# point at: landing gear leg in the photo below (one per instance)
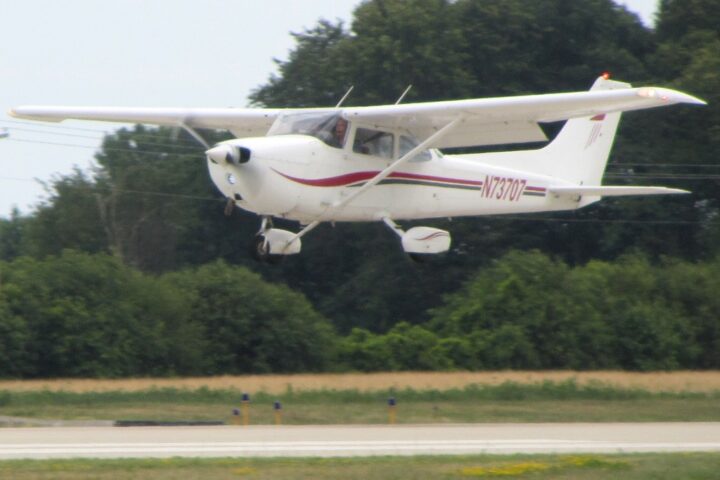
(260, 247)
(415, 257)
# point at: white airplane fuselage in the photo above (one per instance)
(299, 177)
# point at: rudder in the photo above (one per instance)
(581, 150)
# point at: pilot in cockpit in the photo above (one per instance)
(339, 133)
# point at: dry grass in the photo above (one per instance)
(654, 382)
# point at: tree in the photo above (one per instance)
(528, 311)
(12, 235)
(14, 337)
(70, 218)
(251, 326)
(678, 18)
(84, 315)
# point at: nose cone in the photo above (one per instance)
(219, 153)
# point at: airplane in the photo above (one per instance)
(385, 163)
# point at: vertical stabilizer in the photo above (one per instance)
(580, 151)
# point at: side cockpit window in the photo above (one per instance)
(373, 142)
(407, 144)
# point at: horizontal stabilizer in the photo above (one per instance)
(612, 191)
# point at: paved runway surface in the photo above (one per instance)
(329, 441)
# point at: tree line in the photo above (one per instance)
(89, 315)
(149, 213)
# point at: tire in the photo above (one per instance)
(260, 249)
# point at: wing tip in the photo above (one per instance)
(678, 191)
(669, 96)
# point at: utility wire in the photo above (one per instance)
(102, 132)
(514, 218)
(663, 165)
(96, 188)
(115, 149)
(99, 139)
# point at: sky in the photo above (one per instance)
(145, 53)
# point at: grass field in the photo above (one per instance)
(572, 400)
(366, 382)
(636, 467)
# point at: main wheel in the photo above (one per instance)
(260, 251)
(260, 248)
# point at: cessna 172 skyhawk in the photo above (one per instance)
(383, 163)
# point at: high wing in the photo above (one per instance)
(242, 122)
(489, 121)
(504, 120)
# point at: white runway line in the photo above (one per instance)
(335, 441)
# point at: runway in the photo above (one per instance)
(346, 441)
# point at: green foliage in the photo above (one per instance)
(677, 18)
(251, 326)
(89, 315)
(70, 218)
(590, 289)
(81, 315)
(527, 311)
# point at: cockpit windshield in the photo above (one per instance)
(331, 128)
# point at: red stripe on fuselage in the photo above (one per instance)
(352, 178)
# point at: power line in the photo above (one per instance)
(514, 218)
(105, 148)
(598, 220)
(663, 176)
(663, 165)
(61, 127)
(64, 134)
(96, 188)
(103, 132)
(184, 146)
(648, 175)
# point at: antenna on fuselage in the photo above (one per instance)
(345, 96)
(403, 94)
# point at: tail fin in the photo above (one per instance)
(580, 151)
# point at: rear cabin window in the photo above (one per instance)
(373, 142)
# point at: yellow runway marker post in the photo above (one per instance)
(277, 407)
(245, 409)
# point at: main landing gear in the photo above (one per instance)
(420, 243)
(271, 245)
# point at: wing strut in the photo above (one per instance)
(194, 134)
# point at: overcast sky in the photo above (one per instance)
(181, 53)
